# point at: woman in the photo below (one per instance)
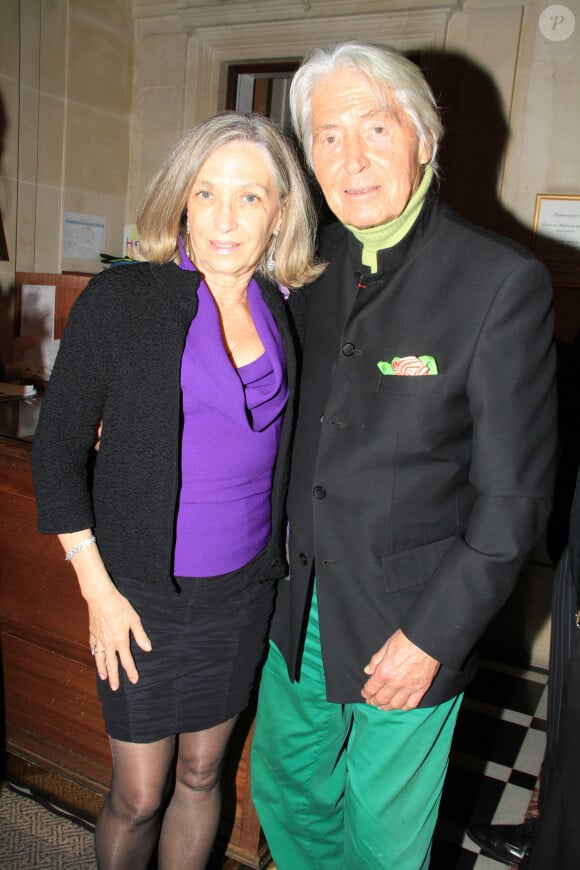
(189, 360)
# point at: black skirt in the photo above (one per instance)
(208, 637)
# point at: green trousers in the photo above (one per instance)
(345, 786)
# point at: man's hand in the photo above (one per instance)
(399, 674)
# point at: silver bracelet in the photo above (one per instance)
(86, 543)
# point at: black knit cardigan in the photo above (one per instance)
(119, 362)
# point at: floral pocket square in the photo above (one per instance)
(409, 366)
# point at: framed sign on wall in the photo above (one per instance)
(556, 238)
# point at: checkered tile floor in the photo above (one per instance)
(497, 750)
(496, 755)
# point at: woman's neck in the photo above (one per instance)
(228, 294)
(227, 290)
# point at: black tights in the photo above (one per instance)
(132, 819)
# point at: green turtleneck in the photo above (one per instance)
(376, 239)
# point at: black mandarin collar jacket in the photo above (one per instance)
(415, 500)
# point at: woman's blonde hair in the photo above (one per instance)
(161, 218)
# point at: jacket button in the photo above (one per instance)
(319, 492)
(348, 349)
(303, 559)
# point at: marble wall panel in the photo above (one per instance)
(100, 62)
(51, 121)
(9, 29)
(97, 148)
(48, 229)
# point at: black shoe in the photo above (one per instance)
(510, 844)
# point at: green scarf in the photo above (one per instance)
(376, 239)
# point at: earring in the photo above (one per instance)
(187, 249)
(271, 261)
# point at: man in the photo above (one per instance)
(421, 476)
(554, 836)
(557, 842)
(516, 844)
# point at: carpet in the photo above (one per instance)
(34, 836)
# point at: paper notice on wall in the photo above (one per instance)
(83, 236)
(131, 241)
(37, 306)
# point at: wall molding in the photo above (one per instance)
(201, 13)
(212, 48)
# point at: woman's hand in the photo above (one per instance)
(112, 618)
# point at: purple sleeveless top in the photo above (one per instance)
(231, 428)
